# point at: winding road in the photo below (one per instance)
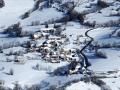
(86, 62)
(96, 80)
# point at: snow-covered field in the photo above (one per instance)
(13, 10)
(25, 73)
(34, 69)
(40, 16)
(83, 86)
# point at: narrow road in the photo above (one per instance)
(93, 77)
(86, 62)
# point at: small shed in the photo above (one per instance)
(48, 30)
(37, 35)
(54, 38)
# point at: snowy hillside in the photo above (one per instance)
(13, 10)
(60, 45)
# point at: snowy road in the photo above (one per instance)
(87, 63)
(12, 10)
(103, 85)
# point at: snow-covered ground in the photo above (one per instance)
(83, 86)
(26, 73)
(13, 10)
(40, 16)
(112, 62)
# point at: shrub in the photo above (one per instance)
(4, 88)
(17, 86)
(10, 45)
(43, 67)
(1, 50)
(61, 71)
(64, 19)
(53, 87)
(102, 4)
(11, 72)
(73, 15)
(35, 23)
(46, 25)
(34, 87)
(108, 45)
(14, 30)
(118, 34)
(81, 17)
(37, 67)
(2, 4)
(40, 86)
(28, 44)
(98, 82)
(36, 6)
(101, 54)
(26, 15)
(25, 33)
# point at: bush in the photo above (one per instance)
(1, 50)
(17, 86)
(64, 19)
(81, 17)
(11, 72)
(46, 25)
(102, 4)
(4, 88)
(36, 6)
(36, 67)
(98, 82)
(10, 45)
(101, 54)
(108, 45)
(61, 71)
(26, 15)
(53, 87)
(73, 15)
(14, 30)
(35, 23)
(2, 4)
(40, 86)
(118, 34)
(34, 87)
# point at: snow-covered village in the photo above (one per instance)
(59, 44)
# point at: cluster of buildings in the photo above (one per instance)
(52, 48)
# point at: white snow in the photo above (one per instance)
(46, 15)
(93, 18)
(83, 86)
(26, 70)
(26, 74)
(13, 10)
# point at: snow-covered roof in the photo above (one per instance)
(47, 29)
